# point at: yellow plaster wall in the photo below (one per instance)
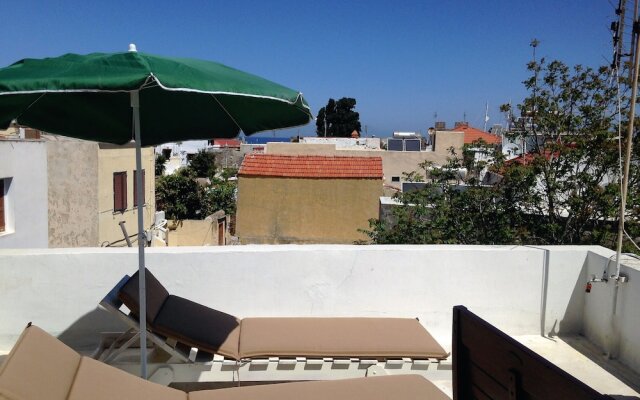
(116, 159)
(285, 210)
(190, 232)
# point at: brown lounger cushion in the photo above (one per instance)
(377, 338)
(405, 387)
(199, 326)
(98, 381)
(156, 295)
(38, 367)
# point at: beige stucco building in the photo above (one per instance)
(117, 160)
(394, 163)
(306, 199)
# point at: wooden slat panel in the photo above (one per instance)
(488, 359)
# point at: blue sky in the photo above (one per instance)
(403, 61)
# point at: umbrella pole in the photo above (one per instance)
(135, 105)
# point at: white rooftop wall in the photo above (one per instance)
(523, 290)
(25, 163)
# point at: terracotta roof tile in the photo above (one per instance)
(472, 134)
(311, 166)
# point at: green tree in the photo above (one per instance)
(339, 119)
(203, 164)
(179, 195)
(160, 161)
(221, 195)
(444, 212)
(574, 152)
(564, 191)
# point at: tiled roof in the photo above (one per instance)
(311, 166)
(472, 134)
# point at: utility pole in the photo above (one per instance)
(635, 49)
(325, 123)
(534, 43)
(486, 116)
(617, 27)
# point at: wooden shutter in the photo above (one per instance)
(135, 188)
(119, 191)
(2, 223)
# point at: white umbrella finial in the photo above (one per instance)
(132, 47)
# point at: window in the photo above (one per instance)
(135, 188)
(2, 207)
(119, 191)
(395, 179)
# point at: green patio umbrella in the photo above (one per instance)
(120, 97)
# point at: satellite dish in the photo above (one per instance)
(511, 150)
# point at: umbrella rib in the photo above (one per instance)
(226, 111)
(30, 105)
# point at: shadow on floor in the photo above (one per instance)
(84, 333)
(614, 367)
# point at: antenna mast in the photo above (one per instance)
(635, 49)
(486, 116)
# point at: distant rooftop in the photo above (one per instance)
(472, 134)
(226, 142)
(311, 166)
(265, 140)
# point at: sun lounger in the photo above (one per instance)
(341, 347)
(41, 367)
(488, 364)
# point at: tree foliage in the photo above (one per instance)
(221, 195)
(203, 164)
(159, 164)
(181, 197)
(564, 191)
(339, 118)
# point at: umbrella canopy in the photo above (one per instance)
(88, 97)
(115, 98)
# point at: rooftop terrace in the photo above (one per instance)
(535, 294)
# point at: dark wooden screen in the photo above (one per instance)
(490, 365)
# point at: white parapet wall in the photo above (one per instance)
(611, 317)
(522, 290)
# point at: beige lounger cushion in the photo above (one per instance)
(337, 337)
(38, 367)
(41, 367)
(404, 387)
(98, 381)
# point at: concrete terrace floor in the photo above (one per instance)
(580, 358)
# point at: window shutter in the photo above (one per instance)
(135, 188)
(2, 223)
(119, 191)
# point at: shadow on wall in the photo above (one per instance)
(571, 323)
(85, 332)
